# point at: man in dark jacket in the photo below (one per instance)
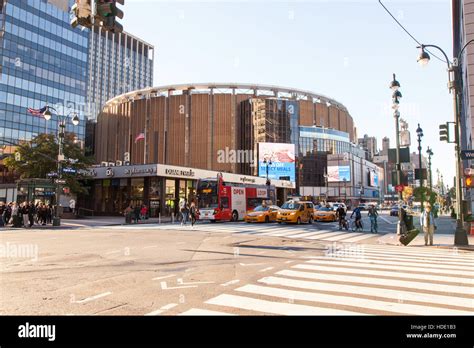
(32, 213)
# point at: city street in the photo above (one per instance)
(229, 268)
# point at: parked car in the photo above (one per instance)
(296, 212)
(363, 206)
(325, 214)
(262, 213)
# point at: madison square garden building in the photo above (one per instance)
(218, 128)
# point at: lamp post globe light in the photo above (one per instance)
(396, 95)
(268, 163)
(61, 133)
(419, 134)
(430, 153)
(460, 235)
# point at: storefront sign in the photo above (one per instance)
(140, 171)
(180, 172)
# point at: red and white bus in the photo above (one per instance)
(221, 201)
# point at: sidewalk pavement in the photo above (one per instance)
(440, 240)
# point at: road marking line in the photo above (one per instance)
(414, 258)
(399, 295)
(235, 281)
(306, 234)
(250, 264)
(290, 261)
(411, 253)
(393, 307)
(327, 234)
(381, 261)
(180, 282)
(337, 261)
(266, 269)
(163, 309)
(164, 286)
(113, 252)
(460, 290)
(339, 237)
(265, 306)
(360, 237)
(92, 298)
(388, 221)
(197, 311)
(164, 277)
(389, 273)
(403, 251)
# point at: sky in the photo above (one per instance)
(344, 49)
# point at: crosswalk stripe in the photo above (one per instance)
(417, 269)
(327, 234)
(420, 251)
(339, 237)
(197, 311)
(273, 307)
(305, 235)
(359, 238)
(279, 230)
(414, 254)
(378, 256)
(398, 295)
(393, 307)
(389, 273)
(382, 261)
(281, 234)
(460, 290)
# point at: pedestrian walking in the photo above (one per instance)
(373, 214)
(2, 210)
(72, 206)
(25, 210)
(31, 214)
(15, 219)
(7, 214)
(193, 211)
(49, 213)
(128, 214)
(358, 218)
(428, 224)
(42, 212)
(136, 213)
(144, 212)
(183, 208)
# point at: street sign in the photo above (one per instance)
(60, 181)
(467, 154)
(51, 174)
(69, 170)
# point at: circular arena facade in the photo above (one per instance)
(189, 124)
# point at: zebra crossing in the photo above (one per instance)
(377, 280)
(329, 233)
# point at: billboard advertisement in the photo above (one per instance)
(282, 157)
(339, 173)
(374, 179)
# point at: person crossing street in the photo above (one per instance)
(428, 224)
(373, 214)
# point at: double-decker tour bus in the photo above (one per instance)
(221, 201)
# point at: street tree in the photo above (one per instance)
(38, 159)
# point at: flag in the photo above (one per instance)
(140, 137)
(37, 112)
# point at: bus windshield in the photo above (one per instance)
(291, 206)
(207, 194)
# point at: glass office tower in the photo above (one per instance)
(44, 61)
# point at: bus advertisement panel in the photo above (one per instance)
(282, 159)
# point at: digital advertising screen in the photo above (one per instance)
(374, 179)
(282, 158)
(339, 173)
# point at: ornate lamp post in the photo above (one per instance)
(419, 134)
(61, 128)
(430, 153)
(460, 236)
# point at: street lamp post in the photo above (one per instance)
(326, 178)
(61, 128)
(430, 153)
(394, 86)
(460, 236)
(268, 164)
(419, 133)
(345, 191)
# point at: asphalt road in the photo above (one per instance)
(216, 269)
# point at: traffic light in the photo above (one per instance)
(469, 181)
(108, 12)
(444, 132)
(82, 13)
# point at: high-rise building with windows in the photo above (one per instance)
(119, 63)
(43, 61)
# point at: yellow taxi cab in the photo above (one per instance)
(296, 212)
(262, 213)
(325, 214)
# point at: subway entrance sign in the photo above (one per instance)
(467, 154)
